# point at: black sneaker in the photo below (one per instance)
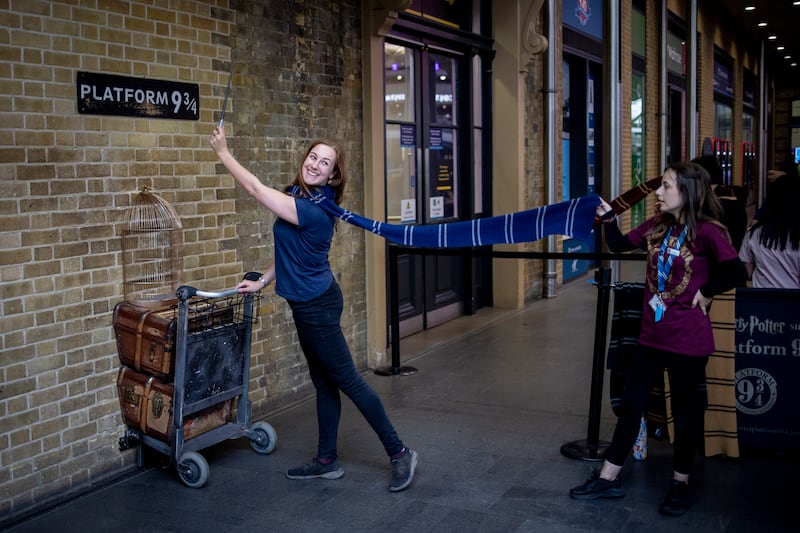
(677, 499)
(315, 469)
(597, 487)
(403, 471)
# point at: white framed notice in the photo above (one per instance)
(437, 206)
(408, 210)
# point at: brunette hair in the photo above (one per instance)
(337, 182)
(780, 223)
(700, 203)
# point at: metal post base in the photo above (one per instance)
(580, 450)
(395, 370)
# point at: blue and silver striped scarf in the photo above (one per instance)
(573, 218)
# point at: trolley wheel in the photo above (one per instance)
(265, 438)
(193, 469)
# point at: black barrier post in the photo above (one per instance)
(394, 321)
(589, 449)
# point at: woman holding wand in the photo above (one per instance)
(303, 277)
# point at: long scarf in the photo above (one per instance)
(626, 200)
(573, 218)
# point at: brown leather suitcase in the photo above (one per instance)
(146, 404)
(146, 337)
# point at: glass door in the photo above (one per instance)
(422, 175)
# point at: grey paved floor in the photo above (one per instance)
(488, 412)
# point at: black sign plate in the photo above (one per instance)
(106, 94)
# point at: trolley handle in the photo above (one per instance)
(185, 292)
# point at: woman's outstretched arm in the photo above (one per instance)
(282, 205)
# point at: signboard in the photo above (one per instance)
(408, 210)
(749, 88)
(584, 15)
(107, 94)
(449, 13)
(768, 368)
(723, 79)
(637, 143)
(436, 207)
(441, 169)
(590, 134)
(675, 54)
(572, 268)
(408, 136)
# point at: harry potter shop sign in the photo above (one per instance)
(106, 94)
(768, 367)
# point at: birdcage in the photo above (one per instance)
(152, 251)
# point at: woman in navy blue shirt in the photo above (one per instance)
(302, 275)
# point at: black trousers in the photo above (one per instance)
(687, 385)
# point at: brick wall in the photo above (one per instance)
(67, 179)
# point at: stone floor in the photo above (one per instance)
(495, 397)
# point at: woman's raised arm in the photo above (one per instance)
(282, 205)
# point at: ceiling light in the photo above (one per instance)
(787, 57)
(762, 24)
(772, 37)
(749, 8)
(780, 47)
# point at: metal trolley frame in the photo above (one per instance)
(212, 366)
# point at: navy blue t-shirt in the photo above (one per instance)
(302, 270)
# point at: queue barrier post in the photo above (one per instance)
(592, 448)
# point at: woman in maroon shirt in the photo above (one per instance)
(685, 243)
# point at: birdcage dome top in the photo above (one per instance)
(151, 212)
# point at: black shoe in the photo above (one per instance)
(403, 471)
(597, 487)
(316, 469)
(677, 499)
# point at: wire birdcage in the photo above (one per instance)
(152, 251)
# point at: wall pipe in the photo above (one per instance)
(549, 282)
(763, 106)
(613, 111)
(662, 101)
(691, 82)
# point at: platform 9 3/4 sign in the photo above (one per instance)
(107, 94)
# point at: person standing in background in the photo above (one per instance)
(771, 248)
(734, 208)
(685, 243)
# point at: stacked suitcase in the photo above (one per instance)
(146, 347)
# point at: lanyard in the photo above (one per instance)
(667, 256)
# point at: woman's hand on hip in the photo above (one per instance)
(702, 302)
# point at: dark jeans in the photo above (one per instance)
(331, 367)
(687, 388)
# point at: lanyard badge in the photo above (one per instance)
(665, 259)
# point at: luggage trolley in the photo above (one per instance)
(212, 368)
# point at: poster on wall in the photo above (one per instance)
(441, 170)
(767, 386)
